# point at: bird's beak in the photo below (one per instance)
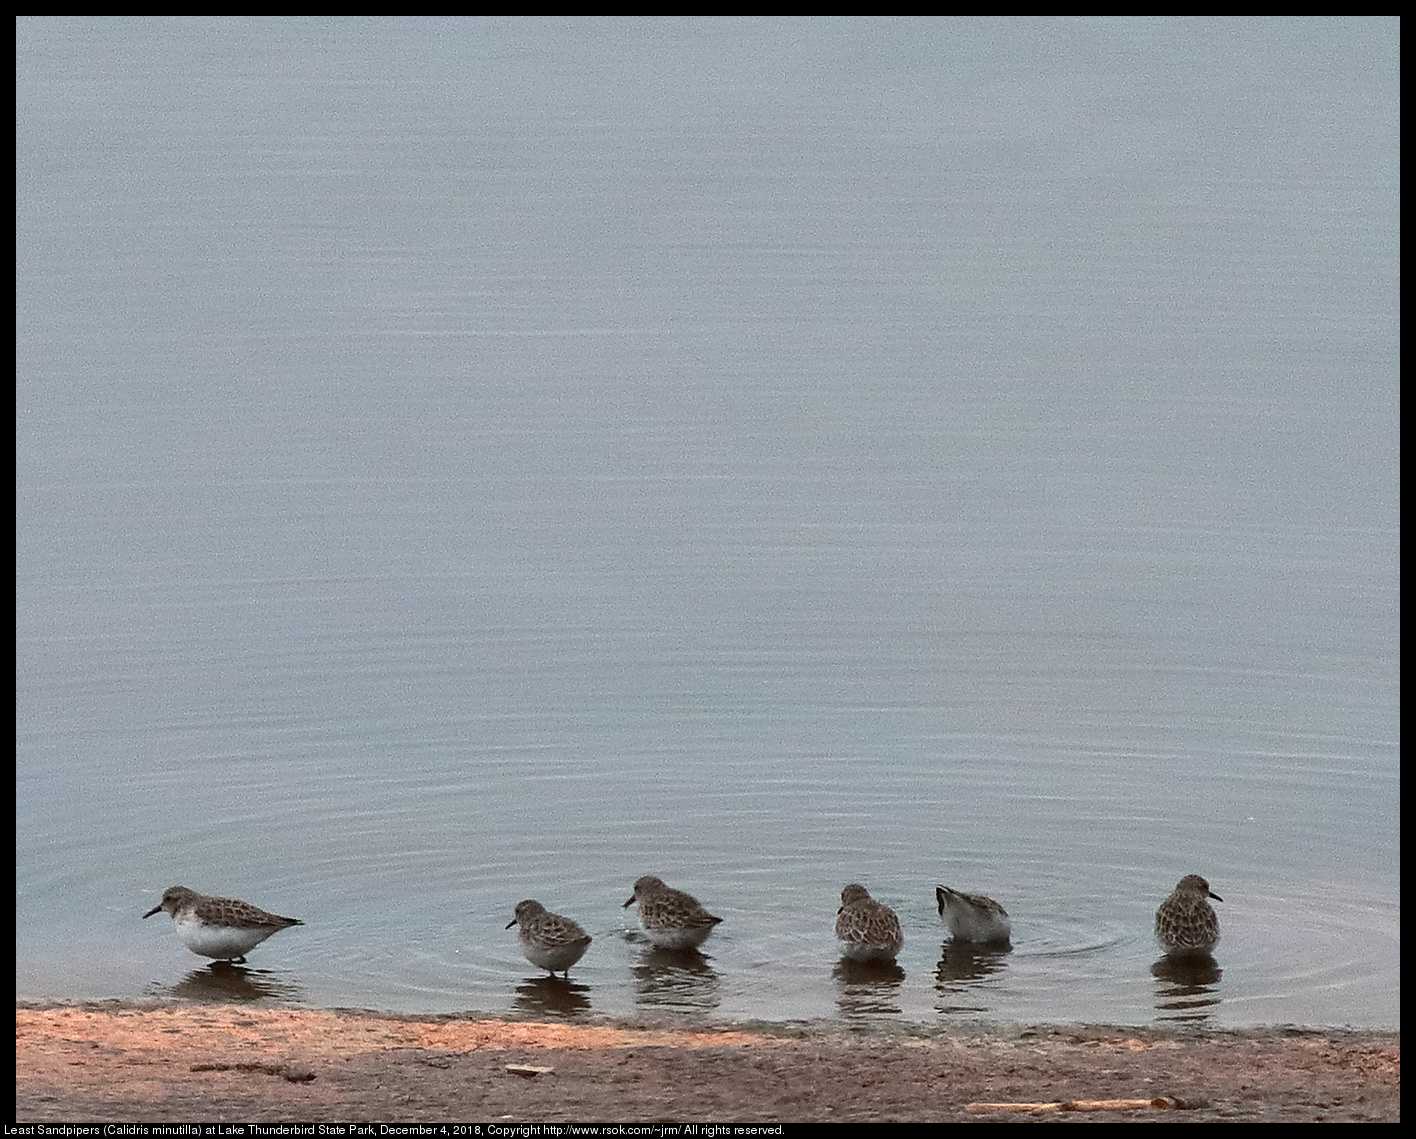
(511, 923)
(628, 903)
(154, 910)
(1216, 897)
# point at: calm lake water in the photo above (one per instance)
(468, 461)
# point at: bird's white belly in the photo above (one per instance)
(679, 937)
(222, 942)
(556, 958)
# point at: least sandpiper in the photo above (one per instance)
(1185, 924)
(549, 940)
(221, 928)
(972, 917)
(671, 918)
(870, 929)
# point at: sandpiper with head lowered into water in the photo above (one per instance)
(973, 917)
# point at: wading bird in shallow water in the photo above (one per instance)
(972, 917)
(869, 930)
(1186, 924)
(671, 918)
(549, 940)
(221, 928)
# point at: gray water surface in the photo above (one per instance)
(463, 461)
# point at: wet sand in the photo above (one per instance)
(120, 1062)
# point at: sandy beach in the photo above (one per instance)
(123, 1062)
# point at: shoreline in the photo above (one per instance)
(125, 1061)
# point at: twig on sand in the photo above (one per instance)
(1087, 1105)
